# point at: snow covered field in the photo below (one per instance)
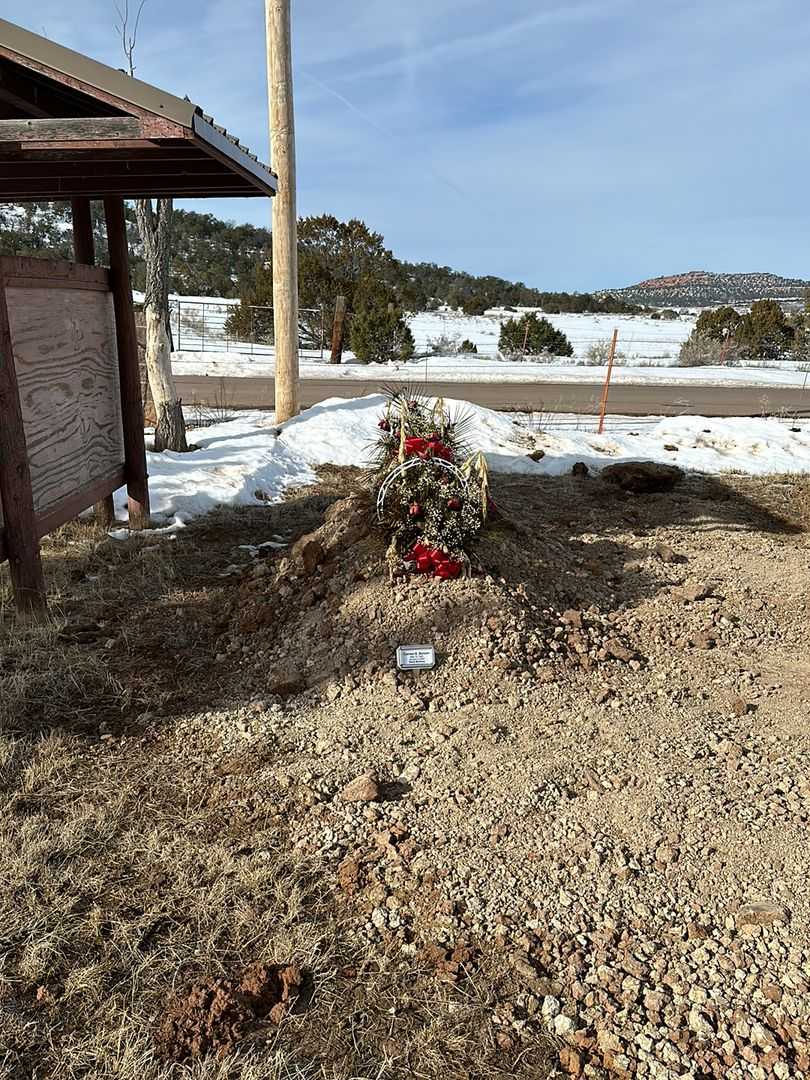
(648, 350)
(463, 369)
(249, 460)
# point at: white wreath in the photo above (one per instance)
(411, 463)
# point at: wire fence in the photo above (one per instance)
(207, 326)
(200, 325)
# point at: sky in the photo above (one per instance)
(570, 144)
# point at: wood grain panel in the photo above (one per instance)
(65, 352)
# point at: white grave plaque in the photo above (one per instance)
(415, 657)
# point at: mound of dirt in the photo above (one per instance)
(211, 1017)
(642, 477)
(338, 606)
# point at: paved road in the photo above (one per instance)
(251, 392)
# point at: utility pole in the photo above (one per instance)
(285, 222)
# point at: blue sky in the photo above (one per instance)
(567, 143)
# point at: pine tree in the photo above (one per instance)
(379, 334)
(531, 335)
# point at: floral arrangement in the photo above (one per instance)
(432, 491)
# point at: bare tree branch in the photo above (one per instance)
(129, 39)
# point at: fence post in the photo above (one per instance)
(179, 324)
(603, 403)
(525, 339)
(338, 330)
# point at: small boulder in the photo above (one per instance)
(667, 554)
(642, 477)
(537, 455)
(579, 468)
(760, 914)
(363, 788)
(309, 552)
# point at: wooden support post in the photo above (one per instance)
(129, 375)
(338, 330)
(84, 252)
(285, 222)
(19, 518)
(603, 403)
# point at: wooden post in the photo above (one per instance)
(84, 252)
(603, 403)
(338, 330)
(525, 338)
(19, 518)
(285, 223)
(128, 373)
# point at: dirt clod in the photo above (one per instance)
(642, 477)
(211, 1017)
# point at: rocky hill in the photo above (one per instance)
(702, 288)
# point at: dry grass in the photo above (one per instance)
(122, 882)
(130, 868)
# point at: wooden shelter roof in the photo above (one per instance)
(71, 127)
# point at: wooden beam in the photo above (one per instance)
(119, 151)
(27, 108)
(83, 246)
(72, 149)
(197, 192)
(74, 504)
(20, 530)
(127, 187)
(53, 273)
(84, 252)
(128, 368)
(66, 129)
(148, 165)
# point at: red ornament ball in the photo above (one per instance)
(454, 504)
(415, 509)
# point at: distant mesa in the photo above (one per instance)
(702, 288)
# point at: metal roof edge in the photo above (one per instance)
(76, 65)
(221, 141)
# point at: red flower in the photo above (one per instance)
(415, 509)
(447, 568)
(437, 449)
(454, 504)
(434, 561)
(384, 425)
(415, 446)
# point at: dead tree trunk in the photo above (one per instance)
(155, 226)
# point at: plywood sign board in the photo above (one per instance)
(64, 350)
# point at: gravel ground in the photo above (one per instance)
(576, 847)
(604, 783)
